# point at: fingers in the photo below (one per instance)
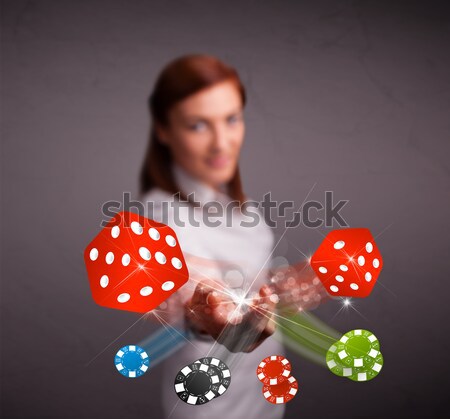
(264, 306)
(226, 312)
(262, 312)
(201, 292)
(234, 315)
(219, 314)
(207, 295)
(211, 310)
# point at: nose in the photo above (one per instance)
(220, 138)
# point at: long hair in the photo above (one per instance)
(181, 78)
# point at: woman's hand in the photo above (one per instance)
(240, 325)
(262, 317)
(210, 308)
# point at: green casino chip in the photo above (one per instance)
(334, 363)
(355, 353)
(369, 373)
(358, 348)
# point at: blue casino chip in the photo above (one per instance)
(132, 361)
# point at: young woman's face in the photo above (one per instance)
(205, 133)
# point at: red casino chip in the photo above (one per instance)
(273, 370)
(281, 393)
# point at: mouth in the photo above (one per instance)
(219, 162)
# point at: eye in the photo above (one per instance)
(233, 119)
(198, 126)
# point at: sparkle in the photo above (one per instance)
(239, 297)
(141, 267)
(348, 304)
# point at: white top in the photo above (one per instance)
(236, 255)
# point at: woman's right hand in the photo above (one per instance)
(210, 309)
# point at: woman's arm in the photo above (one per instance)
(298, 288)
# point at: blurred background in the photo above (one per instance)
(347, 96)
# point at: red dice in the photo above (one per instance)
(348, 262)
(134, 263)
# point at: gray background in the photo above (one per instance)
(353, 97)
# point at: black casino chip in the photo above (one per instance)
(203, 380)
(219, 368)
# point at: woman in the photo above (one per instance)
(192, 161)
